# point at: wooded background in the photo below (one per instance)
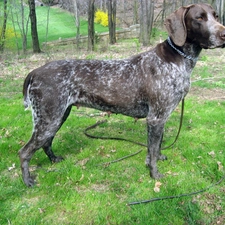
(121, 13)
(128, 11)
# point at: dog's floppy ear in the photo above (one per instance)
(176, 27)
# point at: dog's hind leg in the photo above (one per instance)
(45, 128)
(38, 140)
(48, 145)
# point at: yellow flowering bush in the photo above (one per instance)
(101, 17)
(9, 37)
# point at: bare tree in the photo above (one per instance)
(174, 5)
(103, 4)
(163, 12)
(23, 27)
(146, 20)
(33, 20)
(19, 19)
(135, 12)
(47, 20)
(3, 30)
(221, 12)
(14, 28)
(112, 21)
(91, 28)
(220, 7)
(77, 20)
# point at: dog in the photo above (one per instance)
(148, 85)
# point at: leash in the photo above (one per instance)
(108, 138)
(134, 142)
(128, 156)
(178, 196)
(180, 126)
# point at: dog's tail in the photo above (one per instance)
(26, 87)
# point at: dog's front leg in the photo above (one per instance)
(155, 130)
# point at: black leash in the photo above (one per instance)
(134, 142)
(177, 196)
(179, 129)
(141, 144)
(108, 138)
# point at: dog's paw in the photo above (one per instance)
(57, 159)
(162, 157)
(147, 161)
(29, 181)
(156, 175)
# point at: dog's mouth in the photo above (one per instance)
(213, 46)
(214, 41)
(219, 46)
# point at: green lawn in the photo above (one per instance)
(61, 25)
(80, 190)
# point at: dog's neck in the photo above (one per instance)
(182, 53)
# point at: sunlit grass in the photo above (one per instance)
(53, 24)
(84, 190)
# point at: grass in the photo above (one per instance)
(61, 25)
(80, 190)
(205, 74)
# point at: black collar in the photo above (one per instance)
(180, 52)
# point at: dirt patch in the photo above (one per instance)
(211, 203)
(101, 188)
(207, 94)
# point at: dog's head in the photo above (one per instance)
(197, 23)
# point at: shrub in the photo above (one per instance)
(101, 18)
(9, 37)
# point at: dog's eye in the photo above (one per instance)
(216, 16)
(200, 18)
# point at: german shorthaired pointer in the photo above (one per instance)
(149, 85)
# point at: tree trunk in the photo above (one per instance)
(47, 24)
(135, 12)
(163, 12)
(222, 18)
(220, 7)
(3, 30)
(77, 21)
(91, 28)
(34, 33)
(146, 21)
(112, 21)
(103, 5)
(14, 28)
(23, 29)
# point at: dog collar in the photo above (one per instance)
(180, 52)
